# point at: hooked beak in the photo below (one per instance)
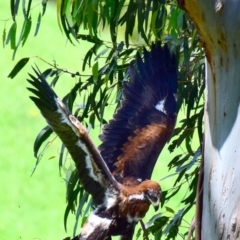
(155, 203)
(155, 206)
(154, 198)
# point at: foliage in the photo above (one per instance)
(150, 21)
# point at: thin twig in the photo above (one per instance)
(145, 232)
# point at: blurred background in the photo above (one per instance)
(31, 207)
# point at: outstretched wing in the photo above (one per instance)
(93, 172)
(133, 140)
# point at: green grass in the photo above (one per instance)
(33, 207)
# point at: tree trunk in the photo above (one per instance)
(218, 23)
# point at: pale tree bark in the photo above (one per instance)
(218, 23)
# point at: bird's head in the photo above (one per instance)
(153, 197)
(153, 192)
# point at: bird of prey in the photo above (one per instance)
(118, 173)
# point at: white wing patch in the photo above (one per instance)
(110, 198)
(160, 106)
(92, 223)
(64, 116)
(136, 197)
(64, 119)
(132, 219)
(87, 159)
(97, 176)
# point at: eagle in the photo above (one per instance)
(117, 174)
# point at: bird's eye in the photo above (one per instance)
(153, 197)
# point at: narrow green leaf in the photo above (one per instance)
(39, 157)
(12, 36)
(38, 24)
(140, 18)
(67, 210)
(71, 96)
(95, 17)
(88, 56)
(161, 20)
(88, 208)
(175, 219)
(60, 161)
(65, 25)
(169, 209)
(29, 7)
(44, 6)
(24, 10)
(111, 55)
(152, 220)
(20, 64)
(89, 38)
(153, 23)
(95, 71)
(112, 9)
(82, 201)
(90, 17)
(138, 235)
(67, 6)
(147, 14)
(52, 157)
(125, 54)
(69, 29)
(101, 54)
(92, 119)
(199, 125)
(71, 205)
(26, 31)
(59, 13)
(41, 137)
(104, 13)
(12, 9)
(130, 23)
(4, 37)
(119, 9)
(55, 80)
(72, 183)
(16, 5)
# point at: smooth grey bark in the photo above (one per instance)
(218, 23)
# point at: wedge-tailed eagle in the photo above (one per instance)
(118, 173)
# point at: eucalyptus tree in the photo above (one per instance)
(218, 25)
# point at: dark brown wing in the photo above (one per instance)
(93, 172)
(133, 140)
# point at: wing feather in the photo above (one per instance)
(93, 172)
(133, 140)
